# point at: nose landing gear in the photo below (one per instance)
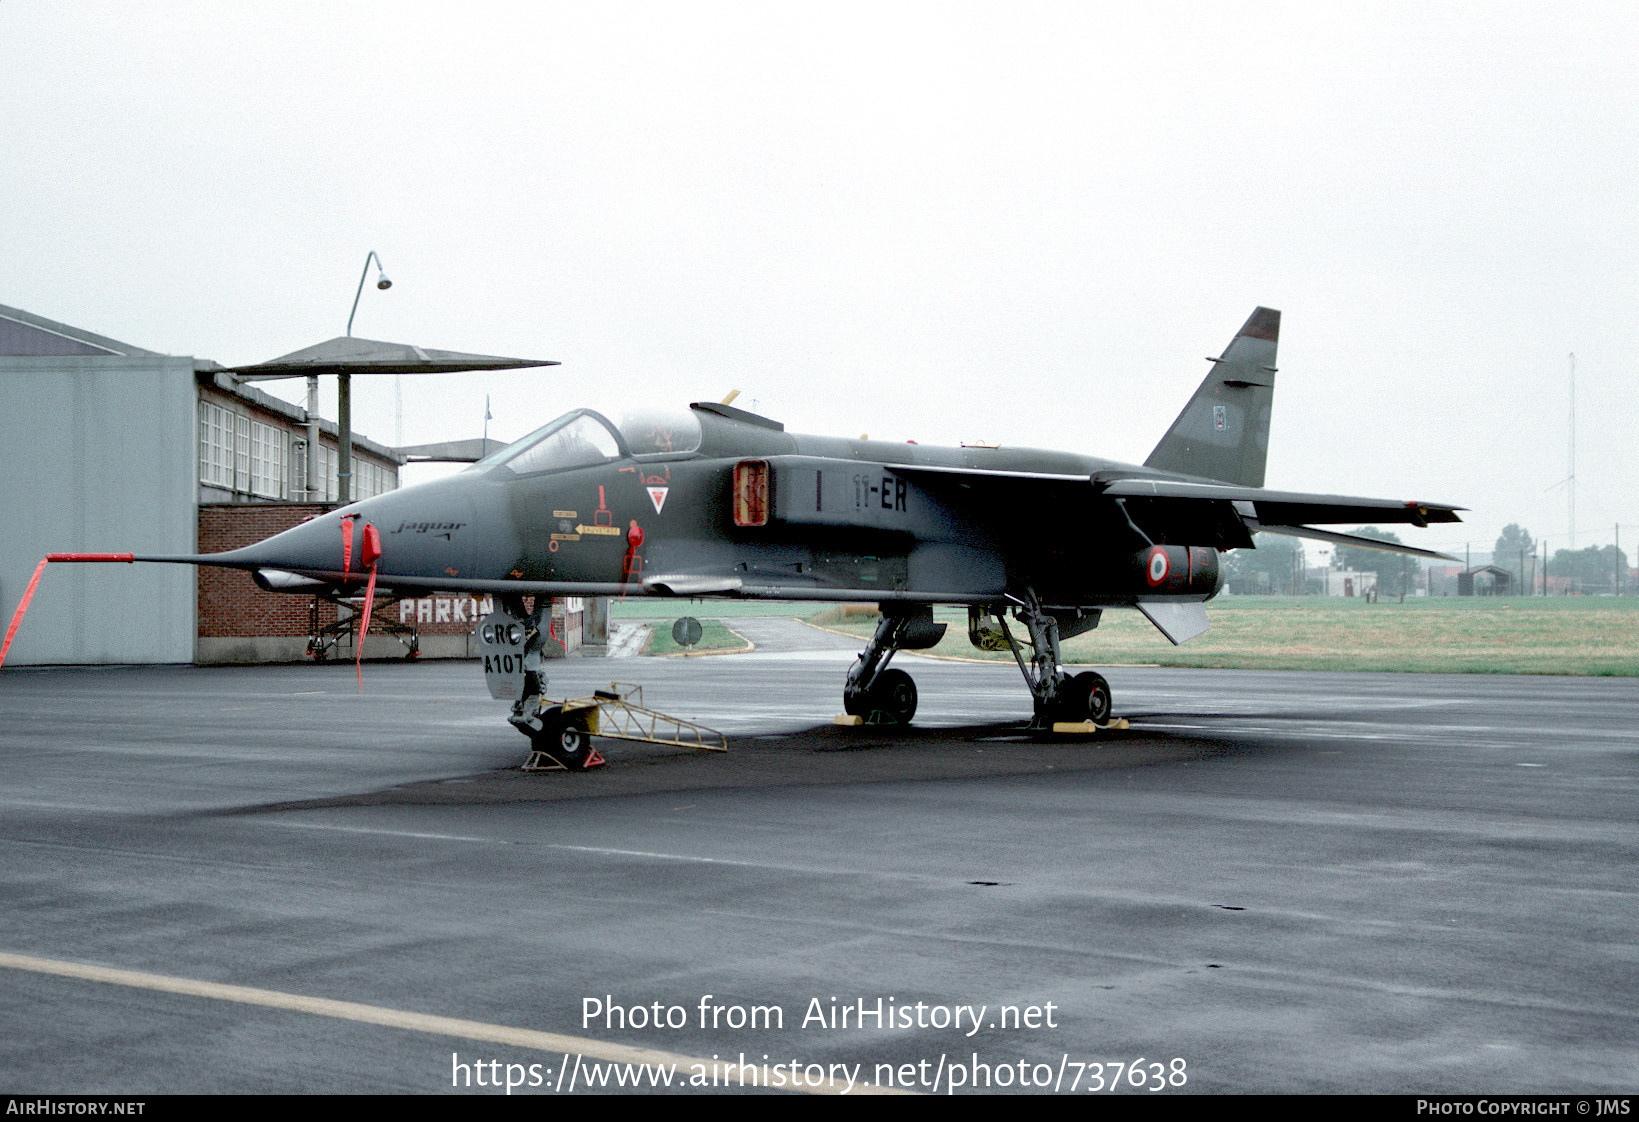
(564, 741)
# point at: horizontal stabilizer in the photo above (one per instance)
(1355, 540)
(1178, 621)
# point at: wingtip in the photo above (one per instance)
(1427, 513)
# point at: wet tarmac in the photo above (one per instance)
(1269, 882)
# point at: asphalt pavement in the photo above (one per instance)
(261, 879)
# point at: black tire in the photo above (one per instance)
(1070, 704)
(854, 704)
(567, 740)
(1085, 697)
(894, 696)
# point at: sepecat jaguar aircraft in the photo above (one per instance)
(714, 501)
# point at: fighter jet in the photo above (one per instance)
(715, 501)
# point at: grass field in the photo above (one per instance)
(1479, 635)
(714, 637)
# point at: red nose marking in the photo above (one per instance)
(347, 543)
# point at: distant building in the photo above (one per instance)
(1327, 581)
(1485, 580)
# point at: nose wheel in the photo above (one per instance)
(565, 740)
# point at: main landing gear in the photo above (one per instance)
(1059, 697)
(873, 692)
(877, 695)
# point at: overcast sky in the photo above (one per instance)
(1025, 223)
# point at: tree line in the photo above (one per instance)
(1277, 566)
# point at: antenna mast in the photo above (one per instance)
(1572, 479)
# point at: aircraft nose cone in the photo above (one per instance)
(423, 532)
(320, 545)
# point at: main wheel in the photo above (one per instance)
(855, 705)
(1096, 692)
(1085, 697)
(894, 695)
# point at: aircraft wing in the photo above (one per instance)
(1268, 507)
(1000, 474)
(1290, 512)
(1283, 508)
(1226, 513)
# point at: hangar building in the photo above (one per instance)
(107, 447)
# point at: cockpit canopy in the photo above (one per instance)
(584, 438)
(658, 430)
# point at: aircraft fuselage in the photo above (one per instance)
(758, 512)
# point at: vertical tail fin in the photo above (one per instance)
(1223, 433)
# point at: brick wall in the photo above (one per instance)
(231, 607)
(230, 604)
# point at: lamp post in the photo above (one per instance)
(382, 283)
(344, 400)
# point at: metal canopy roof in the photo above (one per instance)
(451, 451)
(347, 354)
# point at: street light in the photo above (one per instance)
(344, 400)
(382, 283)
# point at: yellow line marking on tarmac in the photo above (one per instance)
(420, 1022)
